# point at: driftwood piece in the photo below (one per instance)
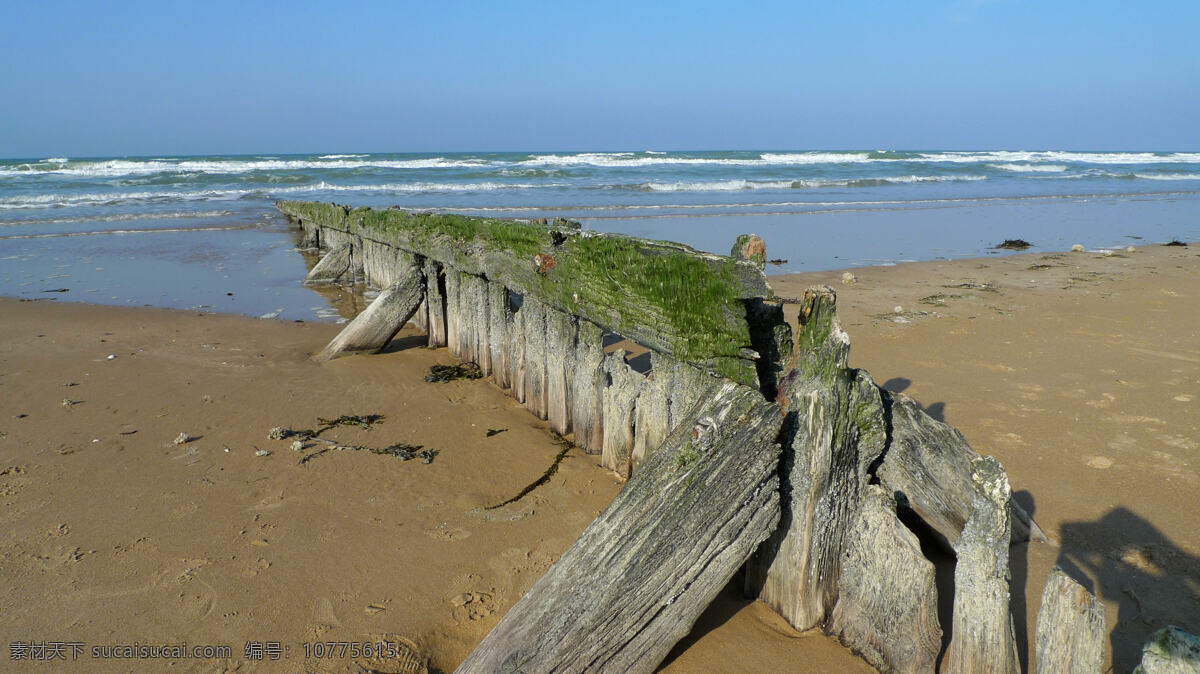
(476, 305)
(1070, 628)
(332, 268)
(636, 580)
(668, 296)
(887, 605)
(983, 639)
(372, 329)
(1170, 650)
(833, 433)
(929, 462)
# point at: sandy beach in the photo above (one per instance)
(1080, 372)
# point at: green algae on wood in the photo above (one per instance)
(667, 296)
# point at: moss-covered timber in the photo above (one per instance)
(667, 296)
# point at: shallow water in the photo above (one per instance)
(185, 232)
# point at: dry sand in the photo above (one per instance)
(1080, 372)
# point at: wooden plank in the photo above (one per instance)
(834, 431)
(1070, 628)
(332, 268)
(619, 400)
(435, 303)
(372, 329)
(983, 638)
(587, 387)
(930, 463)
(634, 583)
(887, 605)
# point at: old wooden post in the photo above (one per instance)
(1070, 628)
(371, 330)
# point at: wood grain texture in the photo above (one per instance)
(887, 605)
(636, 580)
(1070, 628)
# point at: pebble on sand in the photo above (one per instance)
(182, 438)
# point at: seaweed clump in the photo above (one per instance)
(1014, 244)
(445, 373)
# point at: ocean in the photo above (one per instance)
(200, 232)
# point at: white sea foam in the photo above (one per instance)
(1168, 176)
(56, 160)
(125, 167)
(717, 186)
(117, 217)
(53, 200)
(737, 185)
(1062, 156)
(1030, 168)
(630, 160)
(342, 156)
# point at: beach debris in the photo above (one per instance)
(182, 438)
(987, 287)
(1013, 244)
(750, 247)
(127, 432)
(402, 451)
(495, 431)
(372, 609)
(227, 450)
(57, 290)
(67, 402)
(111, 356)
(777, 261)
(445, 373)
(297, 446)
(271, 314)
(363, 421)
(277, 433)
(1106, 253)
(938, 299)
(898, 309)
(1078, 248)
(1175, 242)
(71, 383)
(1130, 249)
(849, 278)
(542, 264)
(262, 452)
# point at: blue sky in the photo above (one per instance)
(130, 78)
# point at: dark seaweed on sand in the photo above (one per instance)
(445, 373)
(1175, 242)
(1014, 244)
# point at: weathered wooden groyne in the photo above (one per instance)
(749, 443)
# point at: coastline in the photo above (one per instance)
(1071, 374)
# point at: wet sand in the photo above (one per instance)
(1080, 372)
